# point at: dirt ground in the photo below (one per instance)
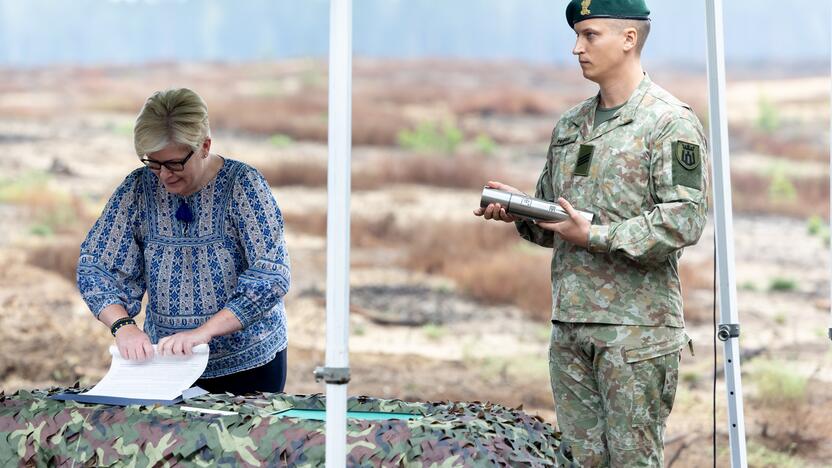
(414, 335)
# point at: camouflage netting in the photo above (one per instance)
(36, 431)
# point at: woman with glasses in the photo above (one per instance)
(203, 236)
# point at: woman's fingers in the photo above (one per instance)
(148, 348)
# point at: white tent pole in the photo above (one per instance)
(830, 176)
(729, 328)
(336, 373)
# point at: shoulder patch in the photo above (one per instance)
(687, 164)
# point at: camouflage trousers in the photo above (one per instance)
(614, 387)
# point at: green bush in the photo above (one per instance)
(434, 332)
(780, 284)
(485, 144)
(815, 225)
(430, 137)
(781, 189)
(768, 119)
(748, 286)
(777, 384)
(763, 457)
(280, 140)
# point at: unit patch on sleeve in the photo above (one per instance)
(687, 164)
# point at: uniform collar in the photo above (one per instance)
(586, 113)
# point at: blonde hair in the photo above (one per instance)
(171, 116)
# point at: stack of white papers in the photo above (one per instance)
(160, 378)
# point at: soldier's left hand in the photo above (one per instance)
(574, 230)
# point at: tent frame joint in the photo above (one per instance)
(728, 330)
(332, 375)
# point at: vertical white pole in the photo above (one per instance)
(830, 176)
(338, 226)
(724, 229)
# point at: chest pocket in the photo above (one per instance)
(624, 189)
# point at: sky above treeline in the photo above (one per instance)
(126, 32)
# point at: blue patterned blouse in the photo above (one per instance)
(232, 255)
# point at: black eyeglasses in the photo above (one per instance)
(173, 166)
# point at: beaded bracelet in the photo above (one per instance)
(120, 323)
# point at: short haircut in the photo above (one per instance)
(171, 116)
(642, 27)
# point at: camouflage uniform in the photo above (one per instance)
(617, 305)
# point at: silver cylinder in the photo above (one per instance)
(526, 207)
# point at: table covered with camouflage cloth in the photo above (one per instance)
(37, 431)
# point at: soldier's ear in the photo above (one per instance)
(630, 38)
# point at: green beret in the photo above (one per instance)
(579, 10)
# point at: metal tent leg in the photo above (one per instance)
(724, 229)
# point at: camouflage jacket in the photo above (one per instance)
(644, 175)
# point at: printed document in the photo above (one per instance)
(159, 378)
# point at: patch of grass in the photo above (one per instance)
(761, 456)
(815, 225)
(434, 332)
(26, 187)
(41, 230)
(279, 140)
(748, 286)
(781, 189)
(777, 384)
(775, 193)
(768, 118)
(430, 137)
(49, 211)
(691, 378)
(781, 284)
(485, 144)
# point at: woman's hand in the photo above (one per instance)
(183, 342)
(133, 344)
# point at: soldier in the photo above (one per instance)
(635, 157)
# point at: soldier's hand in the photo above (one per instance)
(495, 210)
(574, 230)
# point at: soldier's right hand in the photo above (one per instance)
(495, 210)
(133, 344)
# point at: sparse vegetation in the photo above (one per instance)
(485, 144)
(781, 189)
(434, 332)
(279, 140)
(430, 137)
(768, 119)
(780, 284)
(778, 384)
(749, 286)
